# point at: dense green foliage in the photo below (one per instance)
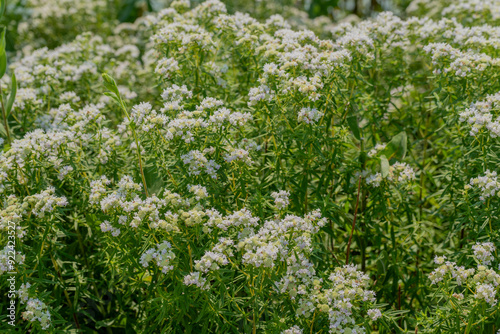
(218, 168)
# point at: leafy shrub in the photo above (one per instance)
(205, 172)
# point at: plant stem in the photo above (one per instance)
(312, 322)
(4, 116)
(353, 223)
(70, 304)
(137, 146)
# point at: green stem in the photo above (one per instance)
(353, 223)
(4, 115)
(137, 146)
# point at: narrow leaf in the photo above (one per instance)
(2, 40)
(353, 124)
(397, 147)
(110, 84)
(402, 144)
(113, 96)
(12, 96)
(3, 3)
(3, 56)
(3, 64)
(384, 166)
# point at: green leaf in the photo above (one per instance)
(110, 84)
(402, 140)
(2, 39)
(12, 96)
(3, 64)
(2, 130)
(104, 323)
(397, 147)
(384, 166)
(353, 124)
(3, 3)
(382, 264)
(113, 96)
(3, 55)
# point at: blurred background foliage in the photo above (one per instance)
(304, 13)
(335, 9)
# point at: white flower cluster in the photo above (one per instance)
(11, 215)
(185, 37)
(90, 117)
(175, 94)
(374, 151)
(455, 49)
(241, 151)
(483, 252)
(98, 189)
(483, 280)
(196, 162)
(268, 245)
(218, 256)
(241, 220)
(374, 314)
(26, 96)
(282, 240)
(107, 227)
(487, 292)
(337, 298)
(167, 66)
(37, 70)
(47, 16)
(474, 8)
(23, 292)
(193, 217)
(44, 202)
(264, 247)
(399, 174)
(209, 103)
(36, 310)
(6, 254)
(459, 63)
(479, 116)
(281, 199)
(199, 191)
(293, 330)
(310, 115)
(69, 97)
(225, 115)
(36, 145)
(64, 171)
(450, 268)
(162, 255)
(488, 185)
(260, 93)
(78, 132)
(439, 259)
(238, 154)
(196, 279)
(126, 189)
(145, 117)
(125, 207)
